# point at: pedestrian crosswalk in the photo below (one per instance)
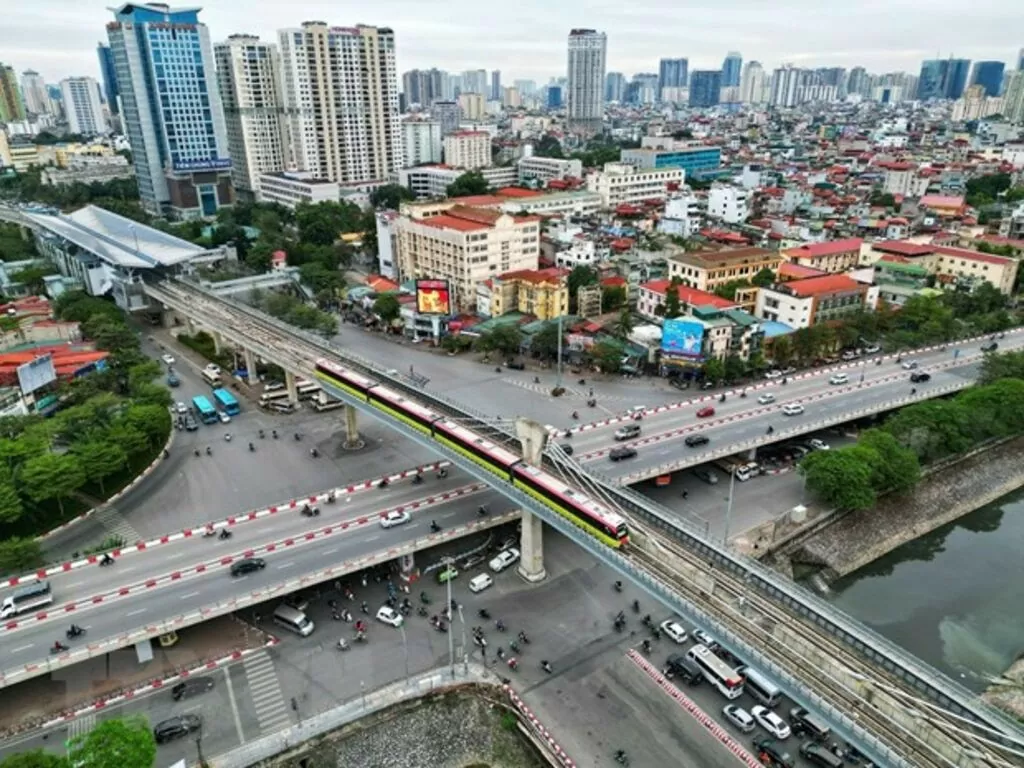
(265, 691)
(570, 392)
(81, 726)
(116, 525)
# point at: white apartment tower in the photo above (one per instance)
(752, 83)
(249, 80)
(585, 90)
(422, 140)
(467, 149)
(33, 89)
(83, 106)
(341, 98)
(785, 86)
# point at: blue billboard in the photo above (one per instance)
(682, 337)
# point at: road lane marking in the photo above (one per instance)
(330, 551)
(190, 594)
(234, 705)
(136, 613)
(289, 564)
(22, 648)
(75, 584)
(372, 538)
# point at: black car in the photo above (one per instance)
(989, 346)
(618, 454)
(920, 376)
(176, 727)
(515, 366)
(693, 441)
(248, 565)
(191, 687)
(567, 448)
(770, 753)
(191, 425)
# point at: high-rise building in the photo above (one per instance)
(1020, 59)
(672, 73)
(424, 86)
(12, 105)
(109, 76)
(475, 81)
(752, 83)
(495, 85)
(468, 149)
(586, 70)
(989, 75)
(83, 106)
(171, 109)
(943, 78)
(413, 87)
(526, 87)
(511, 97)
(785, 82)
(614, 87)
(422, 140)
(252, 92)
(1013, 99)
(448, 114)
(705, 87)
(554, 97)
(858, 82)
(33, 90)
(341, 99)
(472, 105)
(642, 89)
(731, 69)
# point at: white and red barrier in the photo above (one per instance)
(539, 729)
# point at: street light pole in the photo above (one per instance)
(728, 509)
(465, 651)
(451, 640)
(558, 376)
(405, 649)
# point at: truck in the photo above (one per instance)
(743, 468)
(27, 598)
(321, 401)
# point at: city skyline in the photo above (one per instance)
(58, 37)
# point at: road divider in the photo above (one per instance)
(538, 729)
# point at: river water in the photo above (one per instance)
(953, 597)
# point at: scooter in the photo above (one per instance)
(546, 667)
(343, 644)
(417, 479)
(58, 648)
(224, 534)
(252, 447)
(227, 437)
(209, 451)
(71, 634)
(107, 560)
(209, 533)
(422, 610)
(434, 527)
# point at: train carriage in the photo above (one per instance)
(344, 379)
(581, 509)
(476, 448)
(410, 412)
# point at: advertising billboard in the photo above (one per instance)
(682, 337)
(433, 297)
(37, 374)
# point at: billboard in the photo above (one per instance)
(37, 374)
(682, 337)
(433, 297)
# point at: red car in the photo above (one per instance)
(706, 411)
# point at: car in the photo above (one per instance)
(910, 365)
(709, 476)
(692, 441)
(768, 752)
(515, 366)
(919, 377)
(176, 727)
(248, 565)
(168, 359)
(447, 574)
(739, 717)
(395, 517)
(705, 386)
(704, 639)
(191, 425)
(193, 686)
(503, 560)
(872, 349)
(567, 448)
(766, 399)
(213, 368)
(173, 380)
(775, 373)
(771, 722)
(848, 355)
(799, 451)
(989, 346)
(817, 445)
(389, 615)
(618, 454)
(838, 378)
(627, 432)
(471, 561)
(180, 407)
(707, 410)
(788, 370)
(224, 418)
(480, 583)
(674, 630)
(273, 386)
(792, 409)
(636, 409)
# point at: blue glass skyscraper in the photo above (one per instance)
(731, 69)
(942, 78)
(672, 73)
(554, 96)
(109, 76)
(989, 75)
(705, 88)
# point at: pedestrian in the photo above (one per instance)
(686, 494)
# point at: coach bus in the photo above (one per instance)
(227, 402)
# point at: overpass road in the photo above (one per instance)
(161, 584)
(739, 424)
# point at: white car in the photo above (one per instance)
(818, 445)
(169, 359)
(704, 639)
(393, 518)
(874, 348)
(766, 398)
(180, 407)
(739, 717)
(389, 615)
(775, 373)
(910, 365)
(224, 418)
(504, 560)
(480, 583)
(838, 378)
(771, 722)
(674, 630)
(213, 368)
(635, 410)
(792, 409)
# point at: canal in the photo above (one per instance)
(952, 597)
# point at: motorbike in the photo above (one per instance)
(583, 382)
(592, 403)
(314, 453)
(364, 607)
(297, 437)
(523, 638)
(482, 510)
(422, 610)
(331, 498)
(499, 625)
(262, 434)
(209, 451)
(513, 646)
(208, 533)
(424, 598)
(771, 430)
(308, 511)
(383, 483)
(743, 393)
(721, 398)
(636, 606)
(360, 637)
(74, 632)
(273, 433)
(483, 613)
(546, 667)
(227, 437)
(252, 447)
(197, 453)
(621, 759)
(343, 644)
(497, 369)
(434, 527)
(618, 586)
(417, 479)
(576, 415)
(646, 646)
(442, 474)
(441, 627)
(536, 379)
(58, 648)
(106, 560)
(224, 534)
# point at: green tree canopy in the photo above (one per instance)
(37, 758)
(99, 460)
(1005, 365)
(19, 554)
(840, 479)
(505, 339)
(613, 297)
(544, 343)
(607, 356)
(52, 476)
(323, 223)
(10, 503)
(115, 744)
(713, 370)
(548, 146)
(932, 429)
(764, 278)
(469, 183)
(387, 307)
(390, 196)
(624, 323)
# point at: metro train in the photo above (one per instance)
(580, 509)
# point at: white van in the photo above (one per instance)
(293, 620)
(481, 582)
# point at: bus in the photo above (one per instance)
(761, 689)
(212, 376)
(306, 389)
(727, 680)
(277, 396)
(227, 402)
(207, 413)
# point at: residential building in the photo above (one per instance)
(33, 90)
(653, 295)
(341, 100)
(467, 149)
(615, 87)
(495, 85)
(732, 68)
(814, 300)
(620, 183)
(422, 140)
(672, 73)
(109, 75)
(578, 203)
(898, 280)
(989, 75)
(433, 180)
(707, 270)
(24, 154)
(544, 169)
(12, 104)
(249, 78)
(511, 98)
(831, 256)
(942, 78)
(543, 293)
(729, 204)
(783, 90)
(387, 244)
(5, 150)
(423, 87)
(752, 83)
(290, 188)
(171, 110)
(472, 106)
(465, 246)
(901, 179)
(586, 71)
(705, 88)
(475, 81)
(1013, 98)
(448, 114)
(83, 107)
(694, 160)
(682, 216)
(975, 105)
(961, 269)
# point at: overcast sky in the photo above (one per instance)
(527, 38)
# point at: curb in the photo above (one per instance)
(539, 728)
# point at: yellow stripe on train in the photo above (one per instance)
(578, 522)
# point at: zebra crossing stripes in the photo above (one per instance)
(265, 692)
(80, 727)
(570, 392)
(116, 525)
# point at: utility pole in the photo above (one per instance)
(449, 564)
(558, 377)
(728, 509)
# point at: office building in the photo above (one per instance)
(989, 75)
(175, 123)
(815, 300)
(109, 76)
(615, 87)
(526, 87)
(586, 71)
(942, 78)
(475, 81)
(496, 85)
(707, 270)
(752, 83)
(545, 169)
(672, 73)
(424, 86)
(33, 91)
(543, 293)
(252, 91)
(858, 82)
(554, 97)
(83, 106)
(1013, 99)
(659, 152)
(422, 142)
(732, 67)
(705, 88)
(1020, 60)
(12, 105)
(467, 149)
(642, 89)
(620, 183)
(784, 86)
(292, 188)
(448, 114)
(341, 99)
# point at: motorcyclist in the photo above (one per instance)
(546, 666)
(442, 473)
(771, 429)
(225, 533)
(59, 646)
(314, 452)
(383, 483)
(107, 559)
(500, 625)
(482, 510)
(209, 451)
(252, 447)
(75, 630)
(417, 479)
(434, 526)
(576, 415)
(636, 606)
(618, 586)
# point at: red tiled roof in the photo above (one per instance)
(381, 284)
(480, 200)
(615, 281)
(828, 248)
(444, 221)
(517, 192)
(903, 248)
(942, 201)
(797, 271)
(690, 296)
(535, 275)
(963, 253)
(816, 286)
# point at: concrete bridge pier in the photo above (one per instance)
(168, 318)
(407, 567)
(289, 383)
(533, 437)
(250, 365)
(752, 454)
(353, 441)
(190, 326)
(217, 342)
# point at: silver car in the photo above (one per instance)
(739, 717)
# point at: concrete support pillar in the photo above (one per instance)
(216, 342)
(752, 454)
(250, 365)
(353, 442)
(289, 383)
(531, 549)
(26, 233)
(167, 318)
(190, 326)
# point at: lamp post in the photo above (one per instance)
(728, 509)
(405, 650)
(448, 565)
(199, 746)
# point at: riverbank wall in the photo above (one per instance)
(852, 540)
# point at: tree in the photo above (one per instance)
(320, 278)
(52, 476)
(110, 335)
(894, 468)
(115, 744)
(713, 370)
(580, 277)
(548, 146)
(469, 183)
(624, 324)
(728, 290)
(387, 307)
(782, 350)
(10, 503)
(544, 343)
(763, 278)
(390, 196)
(506, 339)
(734, 368)
(606, 356)
(17, 554)
(37, 758)
(839, 479)
(613, 297)
(323, 223)
(932, 429)
(32, 278)
(99, 460)
(984, 190)
(152, 421)
(1006, 365)
(882, 199)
